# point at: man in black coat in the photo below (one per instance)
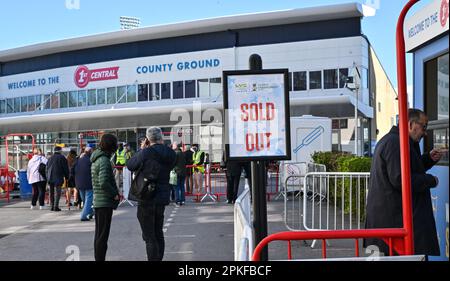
(57, 171)
(150, 213)
(384, 199)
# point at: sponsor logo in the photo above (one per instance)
(83, 75)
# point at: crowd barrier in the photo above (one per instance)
(243, 229)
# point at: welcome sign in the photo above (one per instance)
(257, 115)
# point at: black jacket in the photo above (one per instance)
(82, 172)
(166, 158)
(57, 169)
(384, 199)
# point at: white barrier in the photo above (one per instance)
(243, 229)
(127, 178)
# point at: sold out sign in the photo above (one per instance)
(257, 115)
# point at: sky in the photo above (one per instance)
(26, 22)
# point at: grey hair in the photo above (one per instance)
(154, 134)
(414, 114)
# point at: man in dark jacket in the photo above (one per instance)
(83, 181)
(180, 169)
(150, 213)
(384, 200)
(188, 159)
(57, 171)
(233, 173)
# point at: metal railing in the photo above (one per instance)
(243, 230)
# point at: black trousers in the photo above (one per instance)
(38, 192)
(103, 218)
(232, 187)
(54, 198)
(151, 219)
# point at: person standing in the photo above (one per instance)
(36, 179)
(150, 211)
(180, 170)
(233, 174)
(120, 162)
(198, 159)
(57, 172)
(384, 199)
(188, 159)
(106, 195)
(83, 181)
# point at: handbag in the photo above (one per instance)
(173, 179)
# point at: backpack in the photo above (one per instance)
(144, 184)
(42, 170)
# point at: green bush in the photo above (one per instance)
(345, 162)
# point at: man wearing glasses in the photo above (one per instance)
(384, 199)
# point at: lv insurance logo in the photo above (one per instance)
(83, 75)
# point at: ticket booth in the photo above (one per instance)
(426, 37)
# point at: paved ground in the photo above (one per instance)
(193, 232)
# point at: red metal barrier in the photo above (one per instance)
(273, 179)
(399, 239)
(217, 181)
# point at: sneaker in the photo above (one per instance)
(90, 216)
(33, 207)
(84, 219)
(42, 207)
(56, 209)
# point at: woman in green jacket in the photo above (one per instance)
(106, 195)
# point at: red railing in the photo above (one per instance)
(398, 239)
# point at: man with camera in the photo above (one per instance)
(152, 166)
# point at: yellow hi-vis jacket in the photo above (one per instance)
(120, 158)
(196, 157)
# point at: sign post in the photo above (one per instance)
(257, 128)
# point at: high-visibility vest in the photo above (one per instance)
(196, 160)
(120, 158)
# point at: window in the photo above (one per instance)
(2, 106)
(379, 107)
(24, 104)
(165, 91)
(73, 98)
(121, 94)
(101, 99)
(215, 87)
(55, 101)
(299, 81)
(364, 78)
(111, 95)
(10, 106)
(131, 93)
(154, 91)
(82, 101)
(63, 100)
(343, 76)
(46, 101)
(189, 89)
(315, 80)
(17, 105)
(202, 88)
(92, 97)
(143, 92)
(330, 78)
(38, 102)
(31, 104)
(177, 89)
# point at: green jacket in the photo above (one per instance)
(103, 183)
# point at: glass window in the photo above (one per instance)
(165, 91)
(24, 104)
(343, 76)
(111, 95)
(315, 80)
(330, 78)
(46, 101)
(17, 105)
(92, 97)
(73, 97)
(143, 92)
(63, 100)
(10, 106)
(178, 89)
(290, 81)
(2, 106)
(299, 81)
(121, 94)
(82, 102)
(101, 99)
(202, 88)
(442, 87)
(31, 104)
(55, 101)
(364, 78)
(38, 102)
(131, 93)
(189, 89)
(215, 86)
(154, 91)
